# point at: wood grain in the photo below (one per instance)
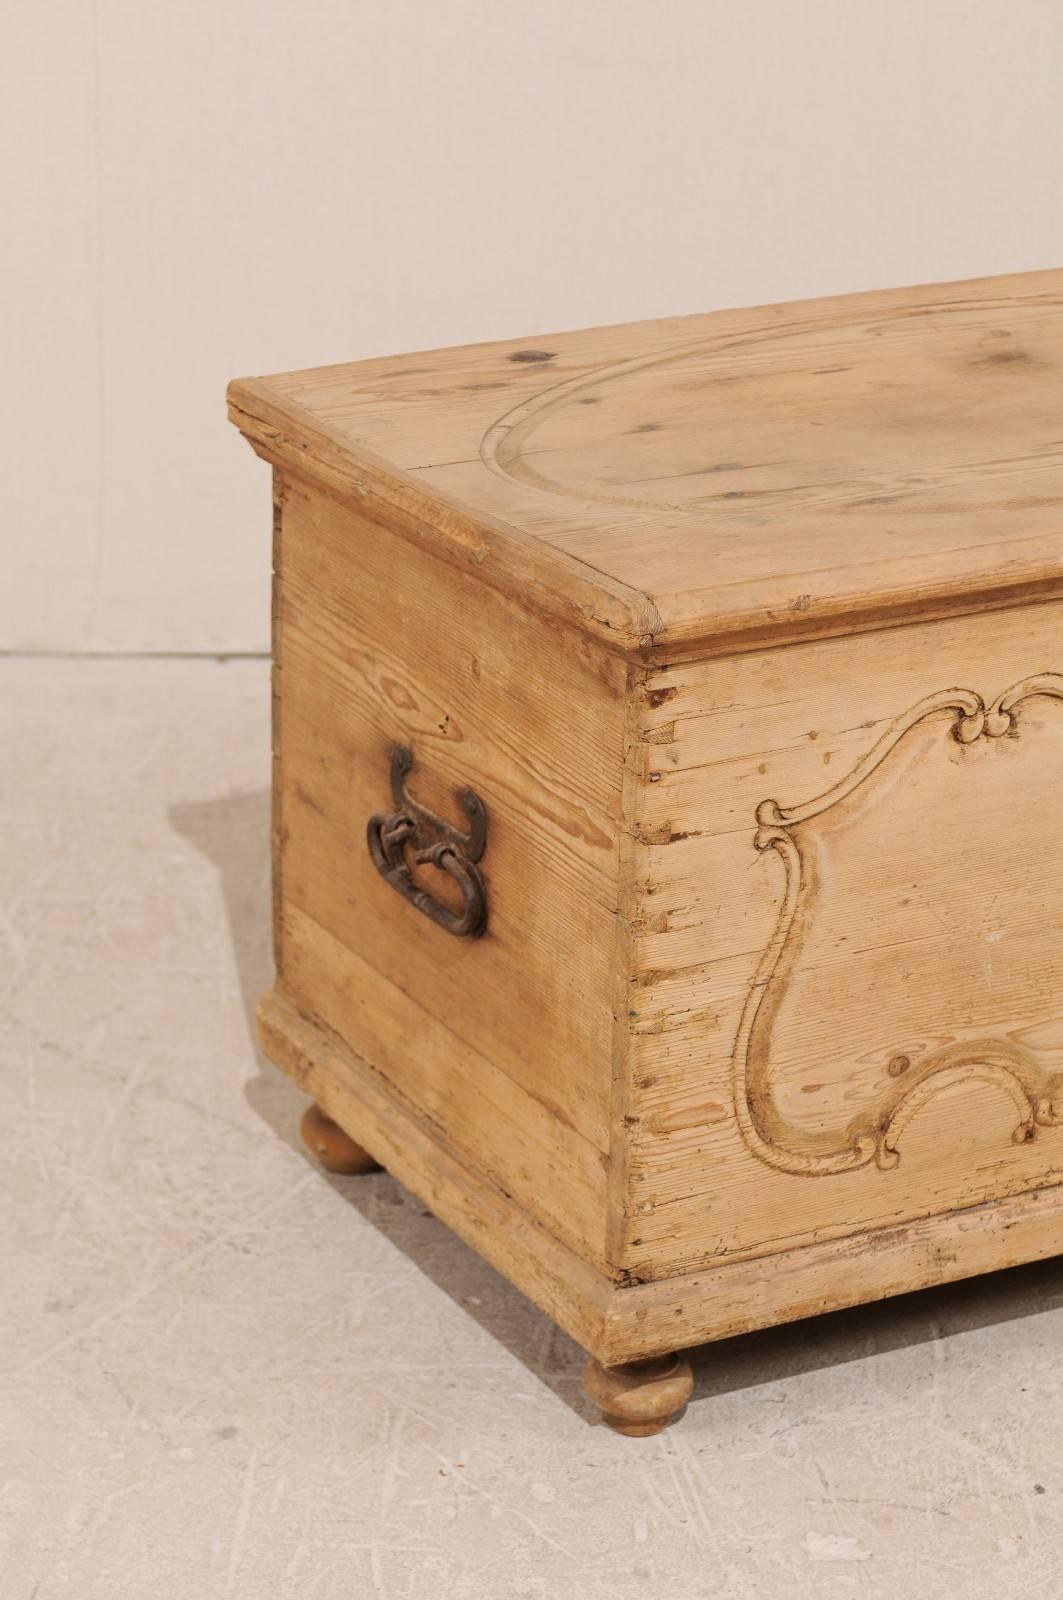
(356, 1096)
(335, 1150)
(617, 1322)
(494, 1124)
(504, 1041)
(860, 1020)
(748, 632)
(640, 1398)
(719, 1301)
(906, 440)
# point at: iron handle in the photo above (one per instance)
(431, 842)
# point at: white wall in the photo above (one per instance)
(200, 188)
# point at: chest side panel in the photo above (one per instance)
(847, 995)
(501, 1043)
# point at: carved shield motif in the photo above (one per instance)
(948, 834)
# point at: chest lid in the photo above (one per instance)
(721, 481)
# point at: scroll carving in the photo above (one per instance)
(1037, 1097)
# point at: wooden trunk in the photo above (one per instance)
(745, 631)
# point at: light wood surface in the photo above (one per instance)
(851, 1013)
(719, 481)
(620, 1322)
(336, 1150)
(765, 1015)
(505, 1041)
(640, 1398)
(354, 1094)
(717, 1302)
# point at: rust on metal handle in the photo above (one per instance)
(431, 842)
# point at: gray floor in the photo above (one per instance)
(227, 1375)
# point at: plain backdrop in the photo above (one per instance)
(205, 188)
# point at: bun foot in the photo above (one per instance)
(640, 1397)
(336, 1150)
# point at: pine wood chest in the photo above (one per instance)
(668, 844)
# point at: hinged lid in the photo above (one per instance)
(719, 482)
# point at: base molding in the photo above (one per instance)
(351, 1091)
(741, 1296)
(618, 1322)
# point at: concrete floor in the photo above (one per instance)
(226, 1376)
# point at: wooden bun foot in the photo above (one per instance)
(640, 1397)
(336, 1150)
